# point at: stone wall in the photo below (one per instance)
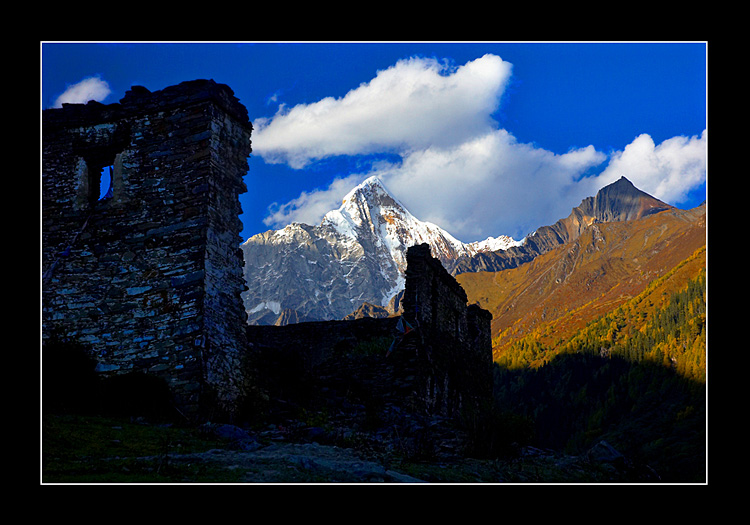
(150, 276)
(314, 342)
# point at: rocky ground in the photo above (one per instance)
(247, 460)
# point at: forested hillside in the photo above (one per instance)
(665, 324)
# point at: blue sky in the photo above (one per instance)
(483, 139)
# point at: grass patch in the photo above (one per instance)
(93, 449)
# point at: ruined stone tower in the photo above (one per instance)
(149, 275)
(454, 337)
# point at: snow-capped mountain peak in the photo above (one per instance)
(367, 201)
(370, 205)
(357, 254)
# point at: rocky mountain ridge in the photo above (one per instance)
(616, 202)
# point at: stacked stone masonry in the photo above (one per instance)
(454, 337)
(150, 276)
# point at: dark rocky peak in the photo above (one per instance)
(621, 201)
(616, 202)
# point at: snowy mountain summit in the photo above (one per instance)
(357, 254)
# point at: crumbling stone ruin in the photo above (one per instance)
(453, 336)
(149, 275)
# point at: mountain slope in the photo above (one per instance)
(356, 254)
(605, 265)
(619, 201)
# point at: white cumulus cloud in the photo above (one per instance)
(412, 105)
(91, 88)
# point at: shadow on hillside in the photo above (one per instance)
(646, 411)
